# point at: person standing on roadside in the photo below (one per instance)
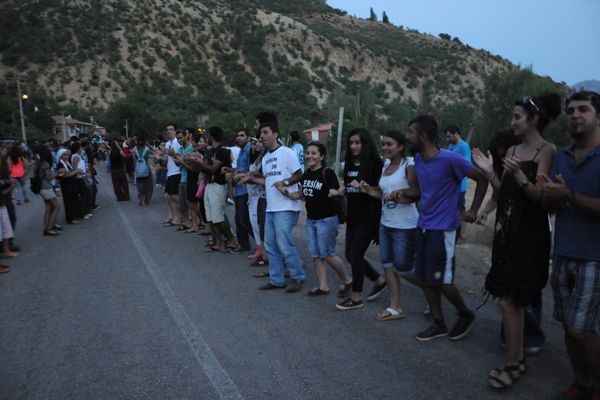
(439, 174)
(362, 163)
(215, 195)
(144, 184)
(297, 147)
(322, 223)
(459, 146)
(173, 176)
(521, 246)
(281, 172)
(240, 196)
(573, 190)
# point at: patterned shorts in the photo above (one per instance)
(576, 287)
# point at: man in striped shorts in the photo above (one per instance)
(573, 189)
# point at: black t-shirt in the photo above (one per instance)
(224, 155)
(315, 188)
(362, 208)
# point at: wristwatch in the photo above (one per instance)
(286, 182)
(524, 183)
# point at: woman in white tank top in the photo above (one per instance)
(398, 191)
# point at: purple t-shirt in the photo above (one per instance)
(439, 182)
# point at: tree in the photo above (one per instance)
(385, 18)
(373, 16)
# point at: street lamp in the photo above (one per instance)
(21, 97)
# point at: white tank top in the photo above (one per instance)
(396, 215)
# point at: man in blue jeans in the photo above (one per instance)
(280, 172)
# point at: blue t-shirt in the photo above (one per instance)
(243, 164)
(577, 233)
(462, 149)
(439, 182)
(299, 150)
(184, 172)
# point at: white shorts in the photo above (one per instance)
(215, 200)
(6, 231)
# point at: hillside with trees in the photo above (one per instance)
(220, 62)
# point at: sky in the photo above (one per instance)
(557, 38)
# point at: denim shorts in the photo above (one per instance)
(397, 248)
(321, 235)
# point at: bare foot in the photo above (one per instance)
(10, 254)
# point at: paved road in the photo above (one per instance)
(122, 308)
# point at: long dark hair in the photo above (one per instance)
(15, 153)
(501, 141)
(369, 157)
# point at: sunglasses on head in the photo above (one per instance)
(313, 142)
(529, 100)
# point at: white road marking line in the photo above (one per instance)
(217, 375)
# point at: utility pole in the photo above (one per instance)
(127, 128)
(338, 146)
(64, 127)
(21, 111)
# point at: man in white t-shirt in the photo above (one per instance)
(173, 176)
(281, 171)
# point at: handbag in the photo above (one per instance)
(201, 189)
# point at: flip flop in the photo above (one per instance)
(389, 314)
(190, 231)
(169, 223)
(4, 269)
(262, 274)
(182, 228)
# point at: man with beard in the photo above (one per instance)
(573, 190)
(439, 173)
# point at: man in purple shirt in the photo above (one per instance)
(439, 174)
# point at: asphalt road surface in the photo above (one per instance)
(120, 307)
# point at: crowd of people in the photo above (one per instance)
(411, 206)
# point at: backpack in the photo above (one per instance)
(141, 168)
(35, 182)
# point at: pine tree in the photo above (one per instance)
(373, 16)
(385, 18)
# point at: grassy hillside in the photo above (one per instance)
(220, 62)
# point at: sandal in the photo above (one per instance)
(182, 228)
(168, 223)
(390, 314)
(505, 377)
(262, 274)
(259, 263)
(317, 292)
(190, 230)
(4, 269)
(211, 249)
(522, 366)
(209, 243)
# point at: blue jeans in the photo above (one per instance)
(321, 235)
(279, 246)
(397, 248)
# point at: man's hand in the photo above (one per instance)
(555, 191)
(278, 185)
(470, 216)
